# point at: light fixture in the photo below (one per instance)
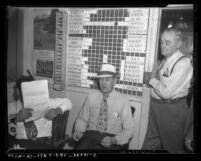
(170, 24)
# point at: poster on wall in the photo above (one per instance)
(44, 41)
(44, 63)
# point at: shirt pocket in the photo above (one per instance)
(115, 119)
(166, 73)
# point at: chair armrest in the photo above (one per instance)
(59, 124)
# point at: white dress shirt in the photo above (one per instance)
(170, 86)
(43, 125)
(120, 122)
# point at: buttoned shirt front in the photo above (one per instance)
(43, 125)
(120, 121)
(175, 84)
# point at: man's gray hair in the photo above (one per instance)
(177, 32)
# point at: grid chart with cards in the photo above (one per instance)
(108, 35)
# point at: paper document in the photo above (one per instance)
(36, 96)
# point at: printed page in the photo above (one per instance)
(36, 96)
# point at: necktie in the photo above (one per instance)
(102, 120)
(31, 130)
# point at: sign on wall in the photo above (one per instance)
(44, 41)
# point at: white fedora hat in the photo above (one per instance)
(107, 70)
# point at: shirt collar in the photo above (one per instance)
(176, 55)
(110, 95)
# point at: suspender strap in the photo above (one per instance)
(176, 63)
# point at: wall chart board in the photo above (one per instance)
(107, 35)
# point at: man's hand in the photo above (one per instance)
(77, 135)
(147, 77)
(155, 70)
(108, 141)
(52, 113)
(23, 114)
(188, 143)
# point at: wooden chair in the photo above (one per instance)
(126, 146)
(59, 124)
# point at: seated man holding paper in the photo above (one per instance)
(36, 133)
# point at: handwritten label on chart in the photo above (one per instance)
(86, 43)
(134, 69)
(74, 60)
(138, 12)
(76, 22)
(135, 43)
(138, 21)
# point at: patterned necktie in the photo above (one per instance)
(31, 130)
(102, 120)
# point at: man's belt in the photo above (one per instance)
(168, 101)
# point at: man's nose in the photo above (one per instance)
(103, 80)
(163, 45)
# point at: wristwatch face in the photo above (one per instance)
(12, 129)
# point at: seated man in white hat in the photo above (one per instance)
(105, 120)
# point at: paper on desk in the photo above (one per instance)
(36, 96)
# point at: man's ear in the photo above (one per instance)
(179, 44)
(115, 80)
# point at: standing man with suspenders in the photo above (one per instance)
(169, 87)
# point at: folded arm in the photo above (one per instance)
(181, 74)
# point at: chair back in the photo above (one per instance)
(59, 124)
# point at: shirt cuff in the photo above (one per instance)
(152, 81)
(59, 111)
(120, 140)
(80, 125)
(65, 105)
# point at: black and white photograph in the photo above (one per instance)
(101, 79)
